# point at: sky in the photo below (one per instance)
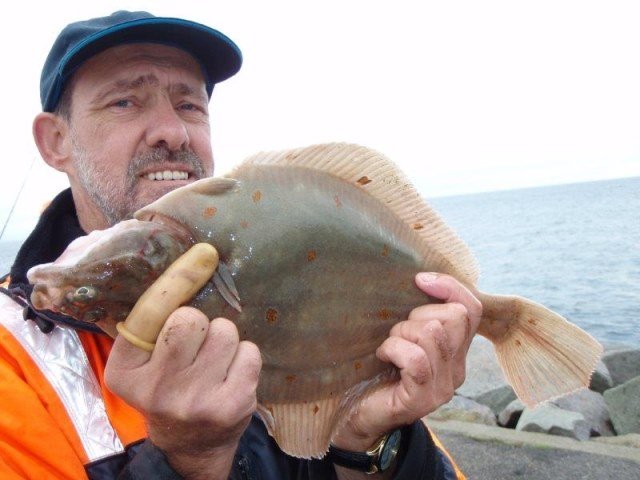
(464, 96)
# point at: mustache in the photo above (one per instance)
(162, 155)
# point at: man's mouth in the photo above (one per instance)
(167, 175)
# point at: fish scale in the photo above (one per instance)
(321, 245)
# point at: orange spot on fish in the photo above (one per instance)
(311, 255)
(518, 343)
(364, 180)
(384, 314)
(316, 409)
(418, 226)
(532, 321)
(385, 251)
(244, 224)
(209, 212)
(290, 378)
(271, 315)
(336, 199)
(357, 365)
(257, 196)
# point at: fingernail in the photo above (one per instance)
(427, 277)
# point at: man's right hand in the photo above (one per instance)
(197, 390)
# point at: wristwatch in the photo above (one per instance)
(377, 459)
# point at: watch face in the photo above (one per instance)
(390, 450)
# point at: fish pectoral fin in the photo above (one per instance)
(302, 430)
(227, 278)
(542, 355)
(223, 282)
(213, 185)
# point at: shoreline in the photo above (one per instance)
(507, 436)
(485, 419)
(494, 453)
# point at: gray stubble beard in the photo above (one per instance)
(115, 198)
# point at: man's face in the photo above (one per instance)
(139, 127)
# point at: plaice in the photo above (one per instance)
(318, 247)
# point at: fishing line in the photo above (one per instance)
(15, 202)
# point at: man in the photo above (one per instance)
(125, 116)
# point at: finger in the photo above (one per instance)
(124, 358)
(452, 316)
(244, 373)
(447, 288)
(237, 399)
(451, 344)
(425, 372)
(428, 333)
(246, 364)
(410, 358)
(174, 287)
(218, 350)
(180, 339)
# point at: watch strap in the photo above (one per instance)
(353, 460)
(368, 461)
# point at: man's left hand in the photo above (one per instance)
(429, 349)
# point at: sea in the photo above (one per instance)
(574, 248)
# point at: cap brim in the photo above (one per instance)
(218, 55)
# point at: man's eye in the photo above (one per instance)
(192, 107)
(123, 103)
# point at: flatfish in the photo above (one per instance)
(318, 250)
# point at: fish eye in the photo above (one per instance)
(85, 294)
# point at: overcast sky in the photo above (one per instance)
(465, 96)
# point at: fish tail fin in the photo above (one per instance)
(541, 354)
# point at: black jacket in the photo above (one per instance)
(258, 456)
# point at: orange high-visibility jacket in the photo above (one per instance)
(56, 415)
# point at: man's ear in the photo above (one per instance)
(51, 134)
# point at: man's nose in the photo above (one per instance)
(166, 128)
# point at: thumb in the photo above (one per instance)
(177, 285)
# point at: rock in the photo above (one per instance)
(485, 381)
(601, 378)
(497, 399)
(627, 440)
(592, 406)
(464, 410)
(623, 403)
(547, 418)
(623, 364)
(510, 415)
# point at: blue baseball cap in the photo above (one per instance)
(219, 57)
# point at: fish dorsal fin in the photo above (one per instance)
(381, 178)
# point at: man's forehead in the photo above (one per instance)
(151, 52)
(118, 64)
(134, 82)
